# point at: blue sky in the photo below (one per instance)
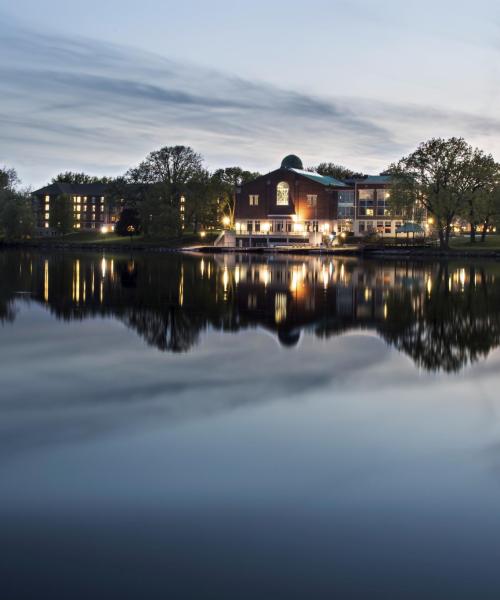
(95, 86)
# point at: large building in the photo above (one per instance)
(90, 203)
(292, 205)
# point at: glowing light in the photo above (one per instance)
(237, 226)
(181, 287)
(105, 229)
(46, 281)
(203, 234)
(298, 227)
(462, 277)
(226, 221)
(265, 227)
(430, 221)
(202, 267)
(104, 266)
(280, 301)
(237, 275)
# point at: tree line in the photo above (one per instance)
(444, 180)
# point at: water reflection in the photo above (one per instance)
(443, 315)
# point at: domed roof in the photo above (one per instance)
(292, 162)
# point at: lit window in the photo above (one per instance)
(47, 198)
(366, 194)
(47, 215)
(102, 199)
(257, 226)
(78, 208)
(312, 200)
(47, 207)
(253, 199)
(93, 217)
(93, 209)
(282, 193)
(46, 225)
(78, 215)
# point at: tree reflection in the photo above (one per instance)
(443, 315)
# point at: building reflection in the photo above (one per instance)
(443, 315)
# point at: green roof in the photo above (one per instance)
(323, 179)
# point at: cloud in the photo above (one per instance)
(84, 104)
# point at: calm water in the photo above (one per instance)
(248, 427)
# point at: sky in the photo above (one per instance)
(96, 86)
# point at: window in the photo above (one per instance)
(47, 198)
(312, 200)
(257, 226)
(278, 226)
(47, 207)
(282, 193)
(289, 226)
(366, 194)
(253, 200)
(249, 226)
(93, 217)
(47, 215)
(388, 228)
(93, 209)
(102, 199)
(346, 212)
(361, 227)
(366, 203)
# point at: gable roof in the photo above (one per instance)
(323, 179)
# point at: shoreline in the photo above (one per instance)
(367, 252)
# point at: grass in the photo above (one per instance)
(90, 237)
(492, 242)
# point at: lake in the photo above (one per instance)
(244, 426)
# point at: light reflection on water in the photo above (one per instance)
(188, 426)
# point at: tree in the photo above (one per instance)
(128, 222)
(336, 171)
(481, 174)
(74, 177)
(62, 217)
(225, 182)
(433, 176)
(163, 176)
(16, 210)
(201, 202)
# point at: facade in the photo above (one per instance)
(291, 205)
(92, 209)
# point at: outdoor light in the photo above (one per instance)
(265, 227)
(203, 234)
(104, 229)
(430, 220)
(226, 221)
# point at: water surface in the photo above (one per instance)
(248, 427)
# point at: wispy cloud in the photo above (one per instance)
(83, 104)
